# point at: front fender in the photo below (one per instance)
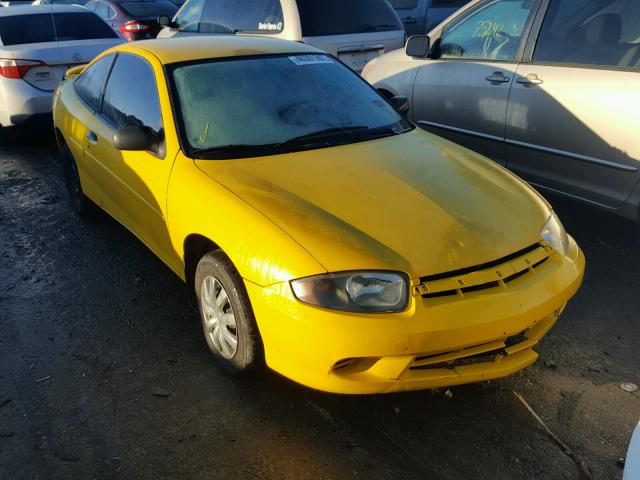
(260, 250)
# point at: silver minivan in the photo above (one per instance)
(548, 88)
(356, 31)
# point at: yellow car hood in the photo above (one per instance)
(412, 202)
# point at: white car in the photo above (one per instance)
(632, 467)
(355, 31)
(38, 44)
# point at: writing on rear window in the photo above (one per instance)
(270, 27)
(310, 59)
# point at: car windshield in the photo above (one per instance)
(253, 106)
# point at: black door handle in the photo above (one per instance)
(409, 20)
(92, 137)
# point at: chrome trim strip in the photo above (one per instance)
(361, 48)
(575, 156)
(555, 151)
(573, 196)
(460, 130)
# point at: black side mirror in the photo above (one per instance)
(136, 139)
(166, 21)
(401, 104)
(418, 46)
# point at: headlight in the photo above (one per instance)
(555, 235)
(355, 291)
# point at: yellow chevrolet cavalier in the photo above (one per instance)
(320, 231)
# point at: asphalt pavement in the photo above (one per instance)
(104, 372)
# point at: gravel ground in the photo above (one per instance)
(91, 323)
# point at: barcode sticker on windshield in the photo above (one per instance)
(310, 59)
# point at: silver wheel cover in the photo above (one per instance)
(218, 318)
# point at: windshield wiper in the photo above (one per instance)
(340, 135)
(230, 151)
(327, 133)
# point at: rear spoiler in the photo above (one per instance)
(73, 72)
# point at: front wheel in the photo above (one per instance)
(227, 318)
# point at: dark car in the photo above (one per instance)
(420, 16)
(133, 19)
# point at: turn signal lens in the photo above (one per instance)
(555, 235)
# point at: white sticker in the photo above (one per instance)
(270, 27)
(310, 59)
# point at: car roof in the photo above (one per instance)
(35, 9)
(199, 47)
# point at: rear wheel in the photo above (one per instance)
(79, 201)
(227, 318)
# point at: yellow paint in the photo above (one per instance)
(413, 203)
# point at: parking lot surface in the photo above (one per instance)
(104, 372)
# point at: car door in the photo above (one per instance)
(573, 112)
(82, 137)
(462, 92)
(138, 194)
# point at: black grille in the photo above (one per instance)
(483, 286)
(483, 266)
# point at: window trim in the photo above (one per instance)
(162, 150)
(532, 43)
(102, 86)
(466, 13)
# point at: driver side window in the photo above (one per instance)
(491, 32)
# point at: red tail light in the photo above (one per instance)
(134, 27)
(17, 68)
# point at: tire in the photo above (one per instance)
(226, 314)
(79, 201)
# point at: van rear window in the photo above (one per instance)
(21, 29)
(255, 16)
(404, 4)
(339, 17)
(149, 9)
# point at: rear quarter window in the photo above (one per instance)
(81, 26)
(23, 29)
(339, 17)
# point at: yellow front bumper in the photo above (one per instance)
(437, 342)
